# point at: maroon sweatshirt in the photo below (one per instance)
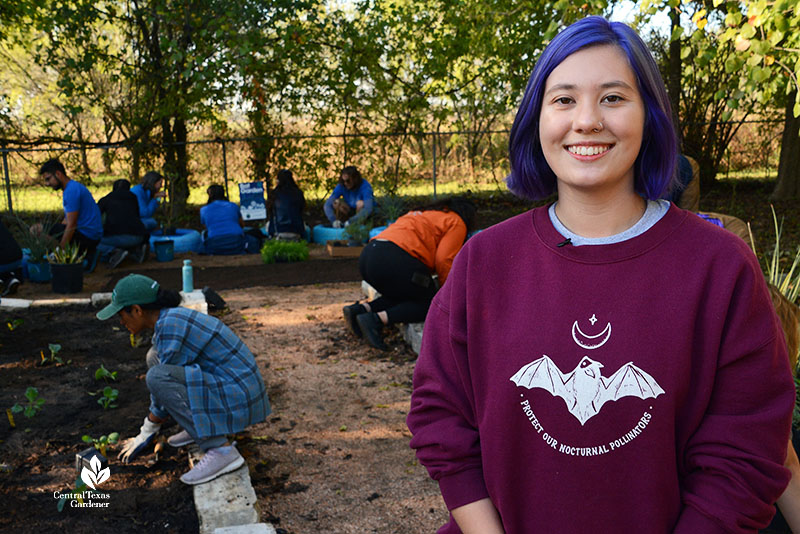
(641, 386)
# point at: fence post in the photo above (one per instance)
(225, 168)
(8, 179)
(434, 137)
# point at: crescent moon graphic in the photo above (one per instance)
(590, 341)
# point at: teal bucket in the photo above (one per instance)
(165, 250)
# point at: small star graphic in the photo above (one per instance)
(593, 319)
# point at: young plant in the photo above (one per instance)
(787, 282)
(70, 253)
(109, 398)
(35, 238)
(102, 443)
(284, 251)
(81, 491)
(55, 348)
(16, 323)
(105, 374)
(357, 232)
(33, 406)
(391, 207)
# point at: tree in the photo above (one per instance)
(767, 34)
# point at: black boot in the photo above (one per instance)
(371, 326)
(350, 313)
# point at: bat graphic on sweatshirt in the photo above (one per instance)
(584, 389)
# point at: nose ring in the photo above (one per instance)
(598, 127)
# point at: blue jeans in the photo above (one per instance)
(149, 223)
(168, 395)
(109, 243)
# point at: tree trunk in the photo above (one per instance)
(788, 185)
(674, 74)
(181, 185)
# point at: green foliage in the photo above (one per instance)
(357, 232)
(391, 207)
(104, 374)
(109, 398)
(81, 490)
(70, 253)
(102, 442)
(33, 405)
(275, 250)
(35, 238)
(16, 323)
(786, 280)
(54, 348)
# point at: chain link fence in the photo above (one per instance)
(418, 163)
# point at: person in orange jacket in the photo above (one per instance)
(407, 263)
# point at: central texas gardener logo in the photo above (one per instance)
(93, 475)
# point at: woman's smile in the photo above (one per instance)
(592, 122)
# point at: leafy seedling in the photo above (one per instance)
(55, 348)
(16, 323)
(102, 443)
(32, 407)
(109, 398)
(81, 491)
(105, 374)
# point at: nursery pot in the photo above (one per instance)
(165, 249)
(39, 271)
(67, 277)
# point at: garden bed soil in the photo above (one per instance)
(38, 456)
(333, 457)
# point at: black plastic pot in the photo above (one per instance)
(67, 277)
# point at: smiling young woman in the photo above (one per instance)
(610, 362)
(590, 128)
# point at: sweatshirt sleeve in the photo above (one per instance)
(366, 196)
(442, 416)
(147, 206)
(328, 206)
(734, 458)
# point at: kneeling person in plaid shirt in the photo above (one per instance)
(205, 377)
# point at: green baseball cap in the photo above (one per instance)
(133, 289)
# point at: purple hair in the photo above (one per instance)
(654, 170)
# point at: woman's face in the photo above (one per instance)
(158, 185)
(591, 121)
(133, 321)
(348, 180)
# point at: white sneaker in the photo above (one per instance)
(213, 464)
(180, 439)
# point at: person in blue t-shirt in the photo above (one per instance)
(351, 200)
(224, 232)
(82, 222)
(148, 194)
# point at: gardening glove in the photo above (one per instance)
(134, 446)
(346, 224)
(337, 224)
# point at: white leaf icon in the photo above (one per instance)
(103, 475)
(88, 477)
(95, 476)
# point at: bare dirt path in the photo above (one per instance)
(334, 455)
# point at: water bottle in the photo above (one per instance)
(188, 277)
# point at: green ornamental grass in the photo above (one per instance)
(284, 251)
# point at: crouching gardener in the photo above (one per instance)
(206, 378)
